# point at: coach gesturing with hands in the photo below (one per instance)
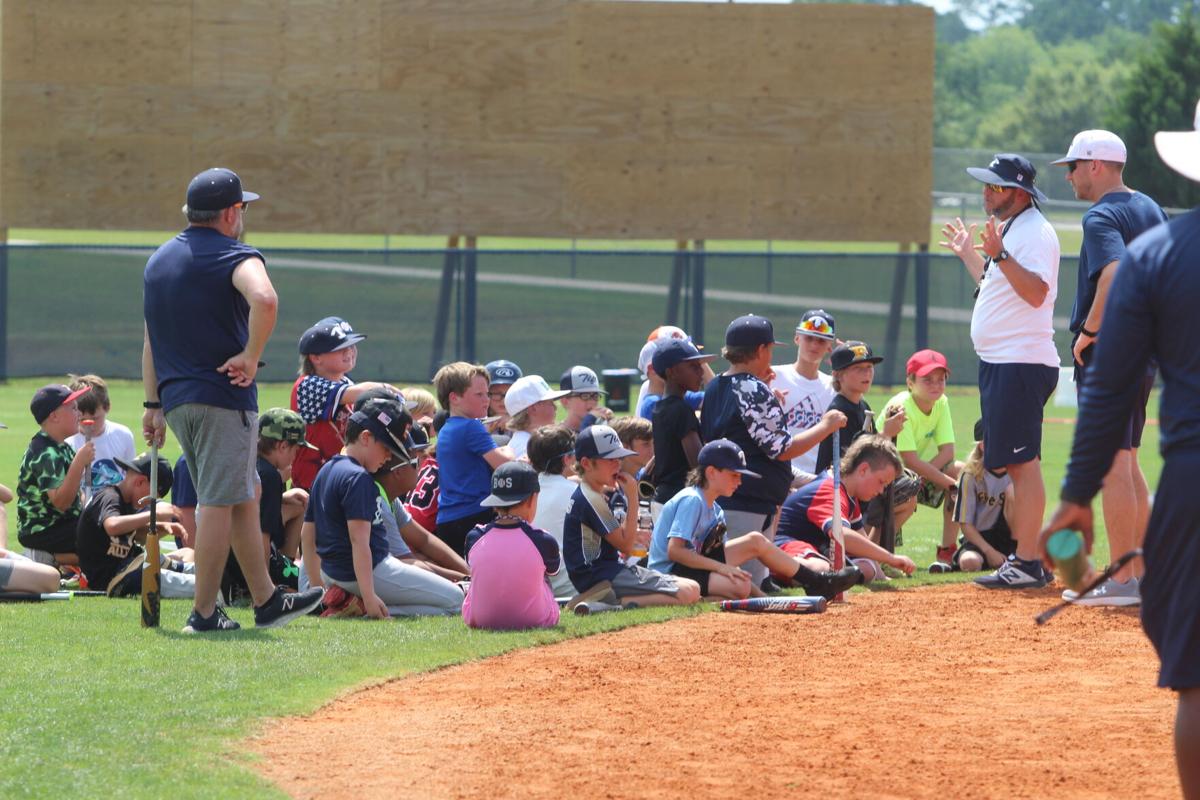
(1016, 269)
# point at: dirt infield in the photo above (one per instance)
(944, 692)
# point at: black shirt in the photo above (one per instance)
(101, 555)
(856, 418)
(673, 421)
(270, 507)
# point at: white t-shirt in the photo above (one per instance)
(805, 403)
(519, 442)
(116, 442)
(553, 501)
(1004, 328)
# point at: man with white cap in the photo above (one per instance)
(1154, 296)
(1012, 328)
(1095, 164)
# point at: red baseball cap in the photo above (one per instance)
(923, 362)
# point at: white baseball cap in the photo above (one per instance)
(1095, 145)
(1180, 150)
(647, 355)
(526, 391)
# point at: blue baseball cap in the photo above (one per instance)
(328, 336)
(1009, 169)
(724, 454)
(750, 330)
(502, 371)
(215, 190)
(672, 352)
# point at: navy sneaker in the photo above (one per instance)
(285, 606)
(1016, 573)
(218, 622)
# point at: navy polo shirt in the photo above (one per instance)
(197, 319)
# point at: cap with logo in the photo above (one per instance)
(600, 441)
(851, 353)
(724, 454)
(672, 352)
(50, 397)
(328, 336)
(528, 390)
(512, 483)
(388, 422)
(1095, 145)
(141, 465)
(750, 330)
(923, 362)
(818, 323)
(1009, 169)
(502, 371)
(216, 189)
(580, 380)
(284, 425)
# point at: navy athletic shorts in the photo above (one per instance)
(1170, 590)
(1011, 398)
(1132, 437)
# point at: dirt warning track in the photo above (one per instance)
(946, 692)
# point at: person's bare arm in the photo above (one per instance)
(154, 425)
(680, 553)
(960, 241)
(360, 549)
(251, 280)
(806, 440)
(1028, 285)
(63, 495)
(1096, 315)
(860, 546)
(691, 448)
(422, 541)
(501, 455)
(308, 547)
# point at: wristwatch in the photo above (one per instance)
(1001, 256)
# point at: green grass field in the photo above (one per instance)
(93, 701)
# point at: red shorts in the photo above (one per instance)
(798, 550)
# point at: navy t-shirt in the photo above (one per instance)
(183, 491)
(344, 491)
(197, 319)
(270, 505)
(587, 553)
(464, 475)
(1115, 220)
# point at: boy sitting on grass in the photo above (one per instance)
(926, 444)
(324, 393)
(511, 559)
(50, 475)
(108, 555)
(530, 405)
(552, 454)
(598, 527)
(805, 531)
(689, 536)
(280, 511)
(112, 440)
(636, 434)
(344, 540)
(466, 453)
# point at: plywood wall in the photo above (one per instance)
(526, 117)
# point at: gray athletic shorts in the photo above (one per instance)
(632, 581)
(6, 571)
(220, 446)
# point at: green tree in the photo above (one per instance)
(1161, 94)
(1056, 20)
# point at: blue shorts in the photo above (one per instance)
(1170, 591)
(1132, 437)
(1011, 399)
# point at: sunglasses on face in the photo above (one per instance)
(1072, 165)
(998, 189)
(588, 396)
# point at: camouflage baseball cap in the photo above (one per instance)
(283, 424)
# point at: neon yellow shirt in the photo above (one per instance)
(922, 432)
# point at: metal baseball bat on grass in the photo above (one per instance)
(776, 605)
(150, 574)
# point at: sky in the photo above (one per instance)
(939, 5)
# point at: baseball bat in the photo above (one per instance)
(777, 605)
(1110, 570)
(32, 597)
(835, 527)
(150, 574)
(88, 429)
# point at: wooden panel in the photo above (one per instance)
(518, 117)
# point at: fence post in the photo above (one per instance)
(3, 304)
(921, 329)
(697, 321)
(470, 286)
(442, 317)
(892, 336)
(677, 267)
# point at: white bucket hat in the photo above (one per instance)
(1180, 150)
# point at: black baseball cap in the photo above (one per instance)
(512, 483)
(851, 353)
(749, 330)
(328, 336)
(1009, 169)
(502, 371)
(141, 465)
(672, 352)
(724, 454)
(388, 422)
(979, 429)
(47, 399)
(216, 189)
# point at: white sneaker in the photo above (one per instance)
(1110, 593)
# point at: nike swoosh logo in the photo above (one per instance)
(1018, 449)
